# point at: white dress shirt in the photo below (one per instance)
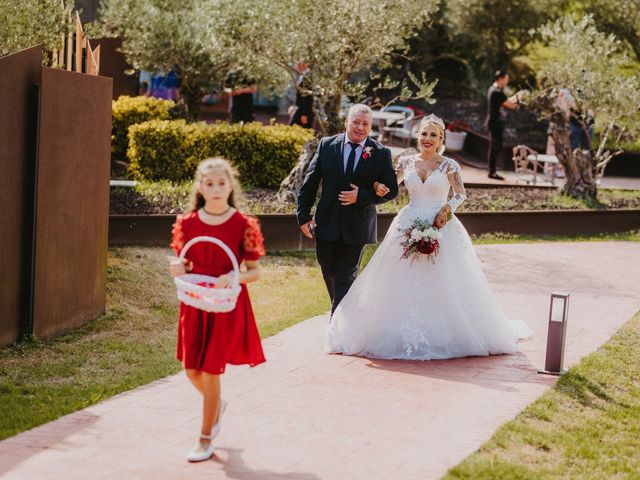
(347, 150)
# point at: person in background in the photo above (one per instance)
(498, 103)
(242, 108)
(302, 112)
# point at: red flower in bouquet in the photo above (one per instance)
(427, 247)
(420, 239)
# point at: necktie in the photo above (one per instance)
(348, 174)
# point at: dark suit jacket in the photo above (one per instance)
(357, 224)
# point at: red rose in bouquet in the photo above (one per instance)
(427, 247)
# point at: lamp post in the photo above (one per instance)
(558, 312)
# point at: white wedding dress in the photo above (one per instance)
(423, 310)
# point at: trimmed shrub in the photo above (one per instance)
(172, 149)
(127, 111)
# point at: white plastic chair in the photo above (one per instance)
(405, 129)
(526, 170)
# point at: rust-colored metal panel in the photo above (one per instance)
(72, 201)
(113, 64)
(18, 124)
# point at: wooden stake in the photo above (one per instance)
(96, 57)
(69, 51)
(79, 43)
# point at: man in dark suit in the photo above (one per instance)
(348, 165)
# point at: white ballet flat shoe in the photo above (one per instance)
(216, 428)
(198, 454)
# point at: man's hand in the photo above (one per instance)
(307, 228)
(381, 189)
(349, 197)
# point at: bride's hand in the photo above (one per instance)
(442, 217)
(381, 189)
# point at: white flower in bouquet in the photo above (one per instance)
(416, 234)
(428, 232)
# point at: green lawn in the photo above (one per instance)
(586, 427)
(489, 238)
(134, 342)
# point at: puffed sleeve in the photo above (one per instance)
(253, 241)
(177, 235)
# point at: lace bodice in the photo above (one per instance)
(433, 193)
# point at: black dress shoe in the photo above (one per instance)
(495, 176)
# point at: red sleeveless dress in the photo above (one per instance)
(210, 341)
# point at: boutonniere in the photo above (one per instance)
(366, 153)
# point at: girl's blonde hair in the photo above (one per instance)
(439, 124)
(206, 166)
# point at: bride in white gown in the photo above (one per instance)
(423, 310)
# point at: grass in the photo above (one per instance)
(586, 427)
(498, 237)
(134, 342)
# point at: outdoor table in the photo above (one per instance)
(381, 118)
(543, 158)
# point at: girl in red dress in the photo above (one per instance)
(207, 342)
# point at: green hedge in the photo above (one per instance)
(171, 150)
(127, 111)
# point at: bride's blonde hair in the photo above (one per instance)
(436, 121)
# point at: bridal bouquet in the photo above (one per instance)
(421, 238)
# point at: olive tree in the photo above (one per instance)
(180, 35)
(496, 30)
(26, 23)
(336, 38)
(590, 65)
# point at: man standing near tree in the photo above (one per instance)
(497, 114)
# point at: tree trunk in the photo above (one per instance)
(578, 165)
(332, 124)
(192, 95)
(290, 186)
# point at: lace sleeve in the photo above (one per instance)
(253, 241)
(402, 164)
(177, 235)
(452, 169)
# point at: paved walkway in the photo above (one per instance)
(306, 415)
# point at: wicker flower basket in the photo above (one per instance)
(199, 291)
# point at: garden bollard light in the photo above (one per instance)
(558, 312)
